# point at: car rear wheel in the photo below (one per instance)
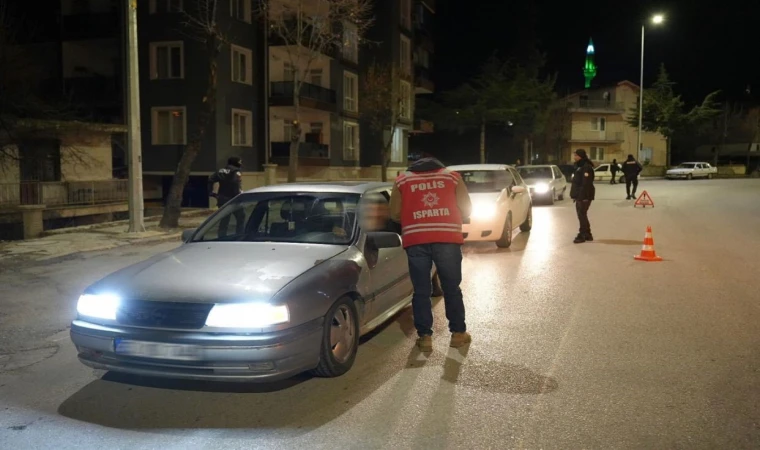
(437, 289)
(340, 340)
(506, 236)
(528, 224)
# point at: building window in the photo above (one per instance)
(315, 77)
(596, 153)
(598, 123)
(242, 128)
(405, 55)
(242, 60)
(289, 72)
(288, 131)
(397, 148)
(165, 6)
(350, 42)
(406, 99)
(423, 58)
(406, 14)
(645, 155)
(350, 141)
(167, 60)
(350, 92)
(241, 10)
(169, 125)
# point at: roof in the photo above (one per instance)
(630, 84)
(479, 167)
(347, 187)
(532, 166)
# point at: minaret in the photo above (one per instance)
(589, 70)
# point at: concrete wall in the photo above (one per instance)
(86, 157)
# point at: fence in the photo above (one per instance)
(66, 193)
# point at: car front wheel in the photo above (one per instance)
(340, 340)
(506, 236)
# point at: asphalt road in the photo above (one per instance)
(575, 346)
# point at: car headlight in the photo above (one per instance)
(483, 211)
(541, 188)
(99, 306)
(247, 315)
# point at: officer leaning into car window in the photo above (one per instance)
(582, 191)
(230, 181)
(431, 202)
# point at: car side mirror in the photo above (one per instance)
(384, 239)
(518, 189)
(187, 234)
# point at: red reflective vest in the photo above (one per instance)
(429, 211)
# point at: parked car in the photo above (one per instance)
(281, 280)
(602, 172)
(500, 203)
(545, 182)
(689, 170)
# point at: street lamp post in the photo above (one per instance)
(657, 19)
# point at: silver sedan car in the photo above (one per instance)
(281, 280)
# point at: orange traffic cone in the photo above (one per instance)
(647, 251)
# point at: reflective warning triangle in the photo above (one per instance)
(644, 200)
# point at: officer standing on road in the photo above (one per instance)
(582, 192)
(614, 169)
(631, 170)
(230, 181)
(431, 202)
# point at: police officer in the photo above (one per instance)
(631, 169)
(582, 191)
(230, 181)
(430, 202)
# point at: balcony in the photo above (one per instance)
(60, 194)
(597, 136)
(595, 106)
(311, 150)
(422, 82)
(311, 96)
(423, 127)
(95, 90)
(90, 26)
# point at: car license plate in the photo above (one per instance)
(156, 350)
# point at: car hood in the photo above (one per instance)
(485, 197)
(533, 182)
(217, 271)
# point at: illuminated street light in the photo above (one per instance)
(657, 19)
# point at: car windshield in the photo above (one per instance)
(539, 173)
(294, 217)
(687, 166)
(485, 180)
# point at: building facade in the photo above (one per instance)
(596, 120)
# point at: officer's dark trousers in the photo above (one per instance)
(581, 208)
(631, 182)
(448, 262)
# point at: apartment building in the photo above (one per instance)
(596, 120)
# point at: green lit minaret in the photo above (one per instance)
(589, 70)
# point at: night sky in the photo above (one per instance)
(706, 46)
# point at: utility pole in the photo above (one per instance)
(134, 144)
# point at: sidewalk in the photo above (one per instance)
(104, 236)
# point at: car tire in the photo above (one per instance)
(709, 176)
(506, 236)
(622, 179)
(437, 289)
(551, 197)
(689, 177)
(528, 224)
(338, 352)
(562, 195)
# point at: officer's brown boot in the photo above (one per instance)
(460, 339)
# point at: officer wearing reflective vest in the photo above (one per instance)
(431, 202)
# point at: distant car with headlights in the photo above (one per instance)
(690, 170)
(281, 280)
(500, 203)
(545, 182)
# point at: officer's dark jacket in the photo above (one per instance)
(230, 181)
(631, 169)
(583, 181)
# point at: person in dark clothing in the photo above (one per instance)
(582, 191)
(230, 181)
(614, 169)
(631, 170)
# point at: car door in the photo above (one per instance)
(520, 202)
(602, 173)
(390, 275)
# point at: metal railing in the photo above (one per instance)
(595, 104)
(65, 193)
(305, 150)
(284, 89)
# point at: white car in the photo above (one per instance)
(500, 203)
(689, 170)
(602, 172)
(545, 182)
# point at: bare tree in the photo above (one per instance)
(200, 24)
(382, 106)
(309, 30)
